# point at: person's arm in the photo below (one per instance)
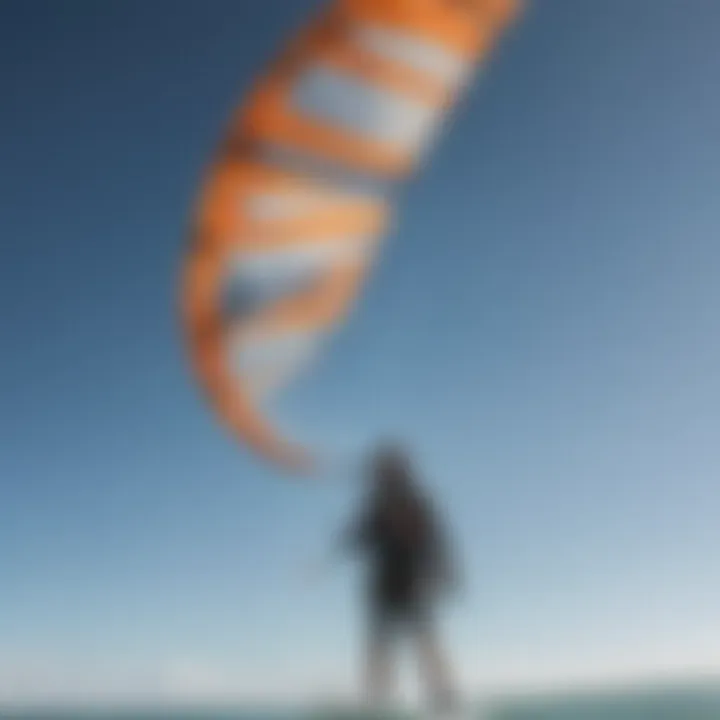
(355, 536)
(352, 538)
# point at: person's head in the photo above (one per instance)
(391, 472)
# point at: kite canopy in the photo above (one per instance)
(299, 195)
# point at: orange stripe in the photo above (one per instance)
(502, 12)
(432, 21)
(238, 233)
(326, 225)
(202, 269)
(231, 182)
(253, 178)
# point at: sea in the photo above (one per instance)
(700, 703)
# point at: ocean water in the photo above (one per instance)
(692, 704)
(658, 704)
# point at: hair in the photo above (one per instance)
(390, 464)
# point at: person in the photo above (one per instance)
(399, 535)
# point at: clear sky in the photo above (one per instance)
(543, 327)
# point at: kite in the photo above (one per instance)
(294, 205)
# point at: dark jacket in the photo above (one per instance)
(405, 547)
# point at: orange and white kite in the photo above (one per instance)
(291, 212)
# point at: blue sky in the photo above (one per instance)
(542, 328)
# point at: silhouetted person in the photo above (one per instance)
(398, 533)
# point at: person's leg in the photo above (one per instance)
(434, 668)
(379, 671)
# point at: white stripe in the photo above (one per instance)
(361, 107)
(311, 256)
(249, 354)
(419, 54)
(268, 365)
